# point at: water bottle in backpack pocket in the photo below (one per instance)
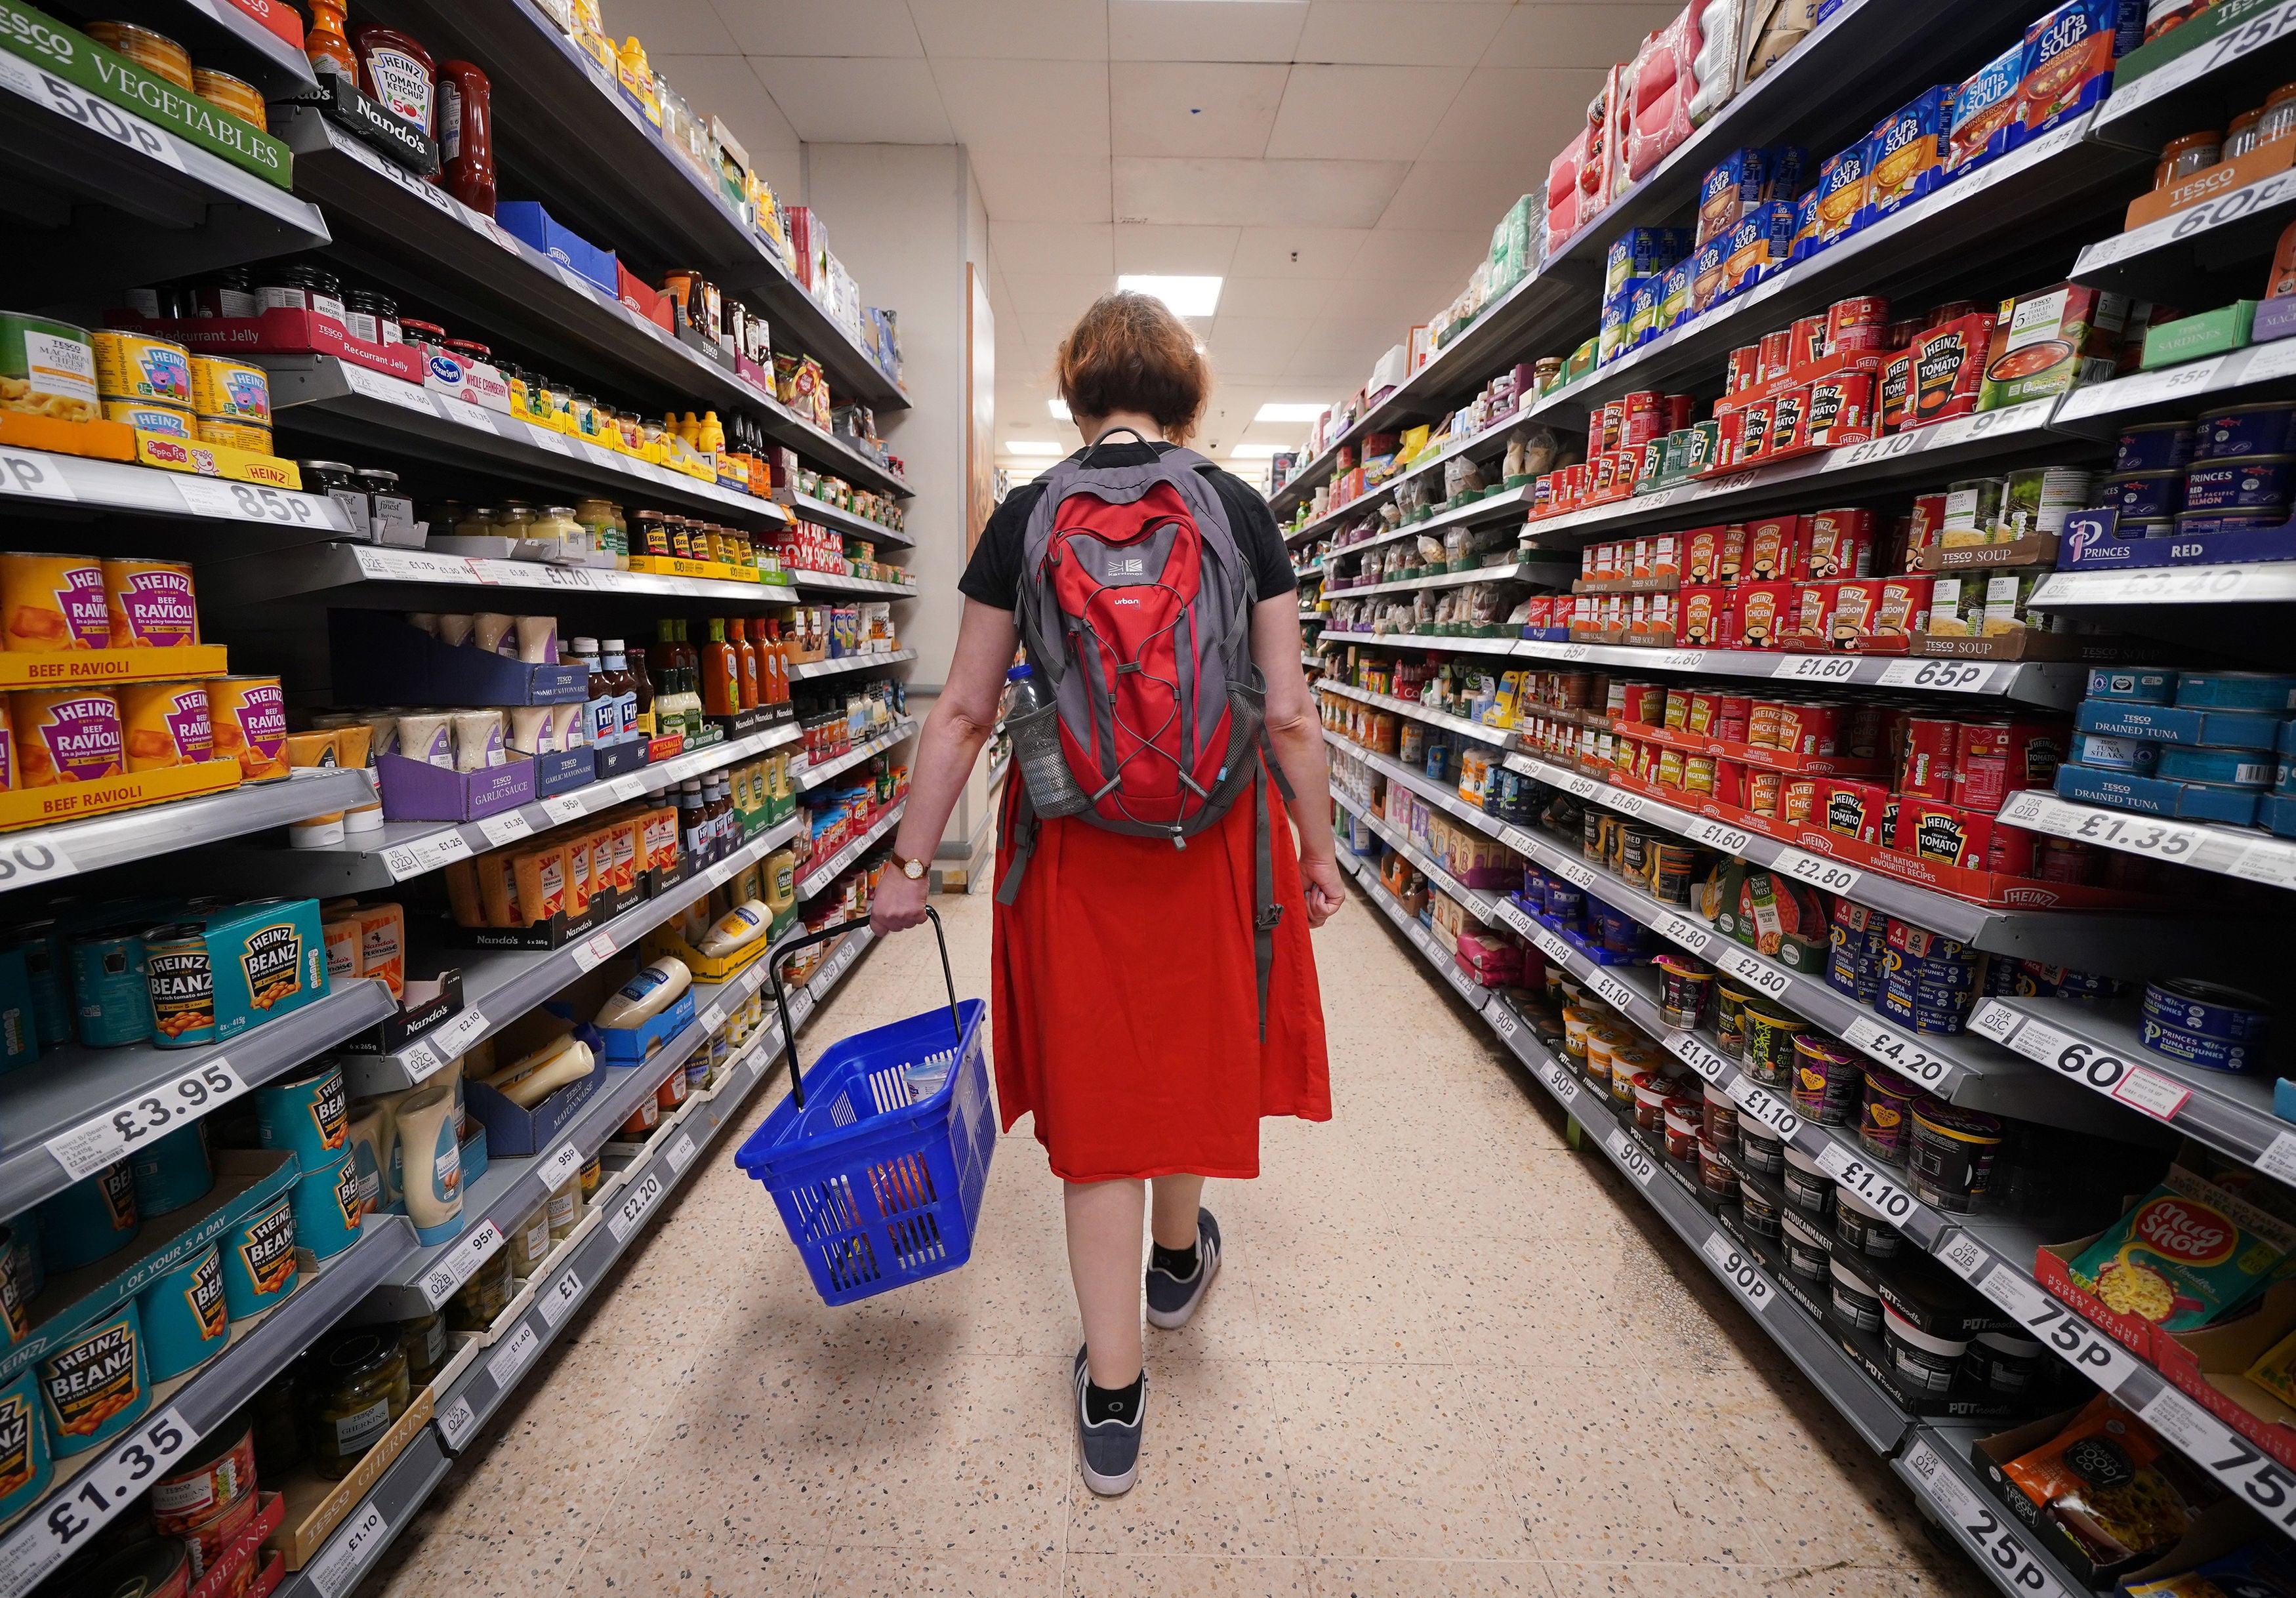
(1033, 720)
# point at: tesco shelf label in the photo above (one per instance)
(1817, 871)
(1904, 1056)
(460, 1262)
(1686, 1048)
(1868, 1180)
(1632, 1158)
(634, 1206)
(1945, 677)
(32, 858)
(1764, 1105)
(102, 1139)
(33, 478)
(557, 1300)
(456, 1422)
(1997, 1543)
(338, 1569)
(38, 1546)
(1744, 1276)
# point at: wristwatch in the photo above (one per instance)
(911, 869)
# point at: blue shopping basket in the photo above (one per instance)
(876, 1190)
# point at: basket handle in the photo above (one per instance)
(781, 1005)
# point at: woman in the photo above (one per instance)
(1126, 1003)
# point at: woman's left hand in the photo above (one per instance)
(1320, 876)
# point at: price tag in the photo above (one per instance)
(634, 1206)
(458, 1031)
(441, 849)
(681, 1152)
(628, 788)
(1520, 841)
(98, 116)
(513, 1356)
(338, 1568)
(455, 1266)
(1633, 1159)
(1503, 1022)
(1874, 451)
(557, 1300)
(1585, 788)
(2096, 1068)
(374, 385)
(548, 439)
(1948, 677)
(1965, 1257)
(1686, 1048)
(2014, 1566)
(464, 411)
(2098, 1356)
(506, 827)
(102, 1139)
(1964, 430)
(564, 1160)
(1612, 992)
(1904, 1056)
(1815, 668)
(1584, 876)
(1758, 973)
(1869, 1182)
(1744, 1274)
(41, 1544)
(1764, 1105)
(2278, 1160)
(1689, 934)
(1559, 1082)
(1683, 659)
(1817, 871)
(711, 1019)
(592, 952)
(457, 1423)
(29, 858)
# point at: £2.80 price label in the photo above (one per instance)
(100, 1139)
(633, 1209)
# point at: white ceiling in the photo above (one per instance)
(1340, 162)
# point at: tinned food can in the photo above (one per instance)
(248, 715)
(233, 433)
(149, 603)
(65, 735)
(182, 983)
(230, 390)
(111, 1002)
(53, 602)
(165, 723)
(130, 365)
(151, 416)
(47, 368)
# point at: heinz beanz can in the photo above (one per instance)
(258, 1259)
(308, 1116)
(111, 1002)
(182, 982)
(184, 1322)
(165, 723)
(149, 603)
(90, 1220)
(24, 1464)
(96, 1385)
(328, 1204)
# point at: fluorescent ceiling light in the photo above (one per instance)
(1059, 408)
(1256, 451)
(1278, 410)
(1187, 296)
(1032, 447)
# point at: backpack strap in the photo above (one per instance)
(1265, 911)
(1021, 825)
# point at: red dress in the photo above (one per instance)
(1126, 1005)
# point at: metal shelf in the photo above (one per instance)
(1478, 442)
(1936, 1466)
(196, 1405)
(220, 33)
(1475, 646)
(501, 985)
(70, 1098)
(1442, 580)
(564, 134)
(837, 582)
(2246, 852)
(325, 571)
(1482, 906)
(821, 876)
(2100, 1051)
(811, 669)
(2145, 113)
(1368, 878)
(325, 394)
(2195, 385)
(370, 1527)
(1489, 507)
(2265, 582)
(35, 482)
(395, 226)
(1864, 60)
(403, 851)
(106, 199)
(805, 507)
(1497, 737)
(39, 855)
(807, 777)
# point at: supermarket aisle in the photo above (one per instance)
(1446, 1356)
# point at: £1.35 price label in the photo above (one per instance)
(139, 1459)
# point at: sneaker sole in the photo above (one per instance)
(1107, 1487)
(1173, 1320)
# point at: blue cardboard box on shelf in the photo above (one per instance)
(473, 1155)
(567, 768)
(2092, 542)
(417, 790)
(627, 1047)
(529, 223)
(513, 1131)
(2151, 796)
(2277, 813)
(614, 760)
(381, 660)
(2174, 724)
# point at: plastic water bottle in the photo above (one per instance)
(1033, 718)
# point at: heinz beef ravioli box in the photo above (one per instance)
(267, 958)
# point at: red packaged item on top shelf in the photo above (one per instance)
(1762, 612)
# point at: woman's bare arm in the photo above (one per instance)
(1296, 733)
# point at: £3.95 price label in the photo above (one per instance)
(1997, 1543)
(1868, 1180)
(634, 1206)
(1744, 1274)
(100, 1139)
(1633, 1159)
(42, 1544)
(440, 1281)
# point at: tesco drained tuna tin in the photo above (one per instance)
(2144, 685)
(2237, 691)
(2222, 767)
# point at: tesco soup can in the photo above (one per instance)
(184, 1321)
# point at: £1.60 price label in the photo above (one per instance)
(140, 1458)
(102, 1139)
(634, 1206)
(1745, 1276)
(1633, 1159)
(1815, 668)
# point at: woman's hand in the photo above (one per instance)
(899, 904)
(1320, 875)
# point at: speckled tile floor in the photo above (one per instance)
(1445, 1355)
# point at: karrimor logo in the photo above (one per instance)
(1125, 566)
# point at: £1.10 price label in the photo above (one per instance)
(1686, 1048)
(1612, 992)
(1745, 1276)
(1869, 1182)
(1764, 1105)
(102, 1139)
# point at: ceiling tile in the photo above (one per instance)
(1255, 344)
(1029, 30)
(1420, 254)
(1076, 247)
(1403, 33)
(1274, 296)
(669, 27)
(1297, 252)
(1463, 196)
(726, 87)
(1187, 252)
(1194, 108)
(845, 100)
(1564, 35)
(1214, 30)
(1516, 114)
(1361, 113)
(1381, 311)
(1238, 193)
(1041, 185)
(1052, 107)
(809, 27)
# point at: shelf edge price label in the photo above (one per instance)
(563, 807)
(563, 1161)
(1612, 992)
(1817, 871)
(1503, 1022)
(440, 1282)
(2231, 1458)
(1944, 677)
(1816, 668)
(451, 1037)
(27, 860)
(102, 1139)
(457, 1422)
(140, 1459)
(1869, 1182)
(1764, 1105)
(338, 1569)
(634, 1206)
(1744, 1274)
(681, 1152)
(90, 111)
(1559, 1082)
(557, 1301)
(1965, 1257)
(1633, 1157)
(2096, 1354)
(1687, 1048)
(1760, 973)
(1904, 1056)
(511, 824)
(33, 478)
(1688, 933)
(2096, 1068)
(2012, 1561)
(517, 1351)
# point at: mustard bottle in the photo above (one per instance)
(709, 438)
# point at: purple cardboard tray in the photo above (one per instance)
(414, 790)
(2091, 543)
(380, 659)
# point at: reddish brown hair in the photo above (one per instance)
(1130, 353)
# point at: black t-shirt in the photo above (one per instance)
(993, 575)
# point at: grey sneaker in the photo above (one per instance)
(1111, 1449)
(1171, 1301)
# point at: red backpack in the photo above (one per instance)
(1135, 608)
